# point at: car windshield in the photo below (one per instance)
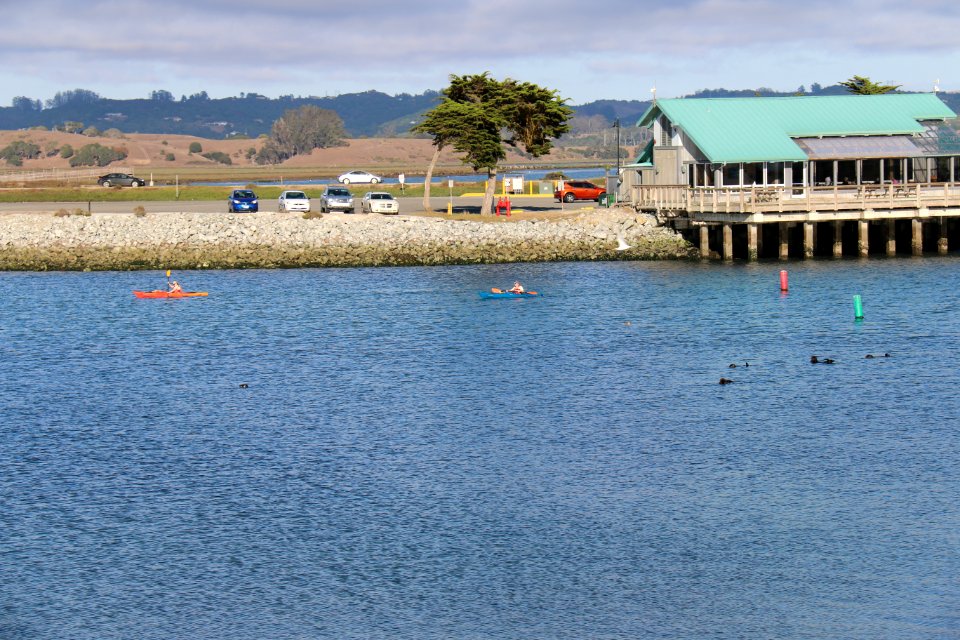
(244, 194)
(338, 192)
(296, 195)
(381, 196)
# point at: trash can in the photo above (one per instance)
(605, 199)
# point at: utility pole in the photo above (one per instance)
(616, 191)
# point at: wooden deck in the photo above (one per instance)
(781, 204)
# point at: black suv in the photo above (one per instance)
(120, 180)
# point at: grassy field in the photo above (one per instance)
(188, 193)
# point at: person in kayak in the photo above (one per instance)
(517, 288)
(175, 287)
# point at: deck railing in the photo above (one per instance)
(781, 199)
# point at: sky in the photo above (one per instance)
(619, 49)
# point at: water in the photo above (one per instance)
(531, 174)
(409, 461)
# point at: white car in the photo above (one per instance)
(293, 201)
(359, 177)
(379, 202)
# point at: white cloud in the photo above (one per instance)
(305, 47)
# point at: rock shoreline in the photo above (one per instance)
(42, 242)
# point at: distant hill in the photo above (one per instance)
(367, 114)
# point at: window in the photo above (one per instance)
(666, 133)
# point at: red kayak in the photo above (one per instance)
(159, 293)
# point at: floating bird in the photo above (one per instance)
(827, 361)
(732, 366)
(725, 380)
(244, 385)
(814, 360)
(869, 356)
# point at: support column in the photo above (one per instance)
(704, 242)
(784, 240)
(891, 237)
(837, 239)
(752, 249)
(808, 235)
(727, 241)
(916, 244)
(943, 241)
(863, 238)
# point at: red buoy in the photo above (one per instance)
(783, 281)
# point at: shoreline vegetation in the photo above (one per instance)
(101, 242)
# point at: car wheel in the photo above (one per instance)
(106, 183)
(569, 197)
(374, 180)
(134, 184)
(345, 181)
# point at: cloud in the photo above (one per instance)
(308, 47)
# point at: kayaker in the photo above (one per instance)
(517, 288)
(175, 287)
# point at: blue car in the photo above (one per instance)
(242, 200)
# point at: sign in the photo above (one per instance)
(401, 178)
(450, 183)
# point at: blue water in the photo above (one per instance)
(578, 174)
(409, 461)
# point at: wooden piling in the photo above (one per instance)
(727, 241)
(752, 246)
(916, 244)
(863, 238)
(808, 235)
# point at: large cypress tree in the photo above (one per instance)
(478, 115)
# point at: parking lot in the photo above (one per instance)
(409, 206)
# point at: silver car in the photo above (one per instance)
(293, 201)
(379, 202)
(336, 198)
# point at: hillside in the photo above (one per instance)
(150, 152)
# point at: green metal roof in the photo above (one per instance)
(761, 129)
(645, 159)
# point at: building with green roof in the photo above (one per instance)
(800, 141)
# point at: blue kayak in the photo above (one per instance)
(487, 295)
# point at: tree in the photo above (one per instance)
(161, 95)
(77, 96)
(96, 155)
(195, 147)
(301, 131)
(26, 104)
(19, 150)
(478, 115)
(863, 86)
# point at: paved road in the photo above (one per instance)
(407, 205)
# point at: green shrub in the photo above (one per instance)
(312, 215)
(91, 132)
(139, 211)
(170, 157)
(218, 156)
(196, 147)
(97, 155)
(18, 151)
(62, 213)
(80, 212)
(66, 151)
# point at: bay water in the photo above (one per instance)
(379, 453)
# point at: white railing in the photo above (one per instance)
(748, 200)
